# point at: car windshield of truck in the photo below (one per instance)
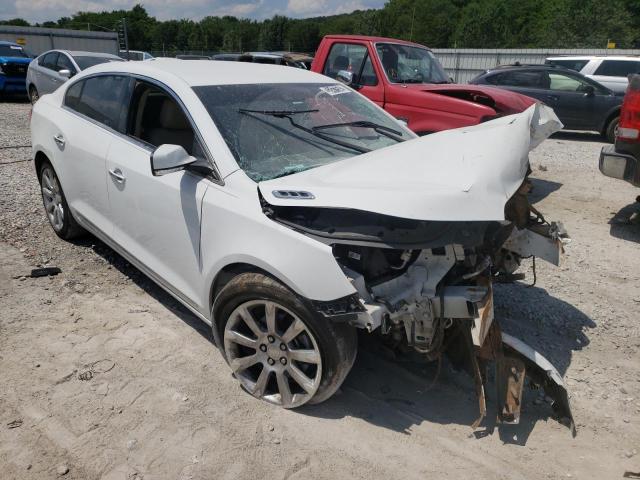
(85, 61)
(274, 130)
(13, 51)
(407, 64)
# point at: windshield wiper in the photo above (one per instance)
(276, 113)
(287, 114)
(386, 131)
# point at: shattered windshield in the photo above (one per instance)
(279, 129)
(407, 64)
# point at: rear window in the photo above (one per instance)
(618, 68)
(569, 63)
(85, 61)
(100, 98)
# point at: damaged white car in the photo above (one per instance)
(288, 211)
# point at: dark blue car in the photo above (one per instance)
(579, 102)
(14, 62)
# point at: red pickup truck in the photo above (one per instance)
(407, 80)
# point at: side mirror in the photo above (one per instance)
(589, 91)
(66, 73)
(345, 76)
(168, 158)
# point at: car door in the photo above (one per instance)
(90, 119)
(46, 72)
(355, 58)
(578, 103)
(156, 219)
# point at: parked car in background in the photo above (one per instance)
(14, 61)
(227, 57)
(287, 211)
(580, 102)
(51, 69)
(136, 55)
(289, 59)
(610, 71)
(622, 160)
(407, 80)
(193, 57)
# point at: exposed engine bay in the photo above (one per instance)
(426, 285)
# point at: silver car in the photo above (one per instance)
(51, 69)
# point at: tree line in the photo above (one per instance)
(435, 23)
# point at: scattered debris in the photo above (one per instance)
(62, 470)
(15, 423)
(45, 272)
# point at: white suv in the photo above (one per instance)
(287, 211)
(611, 71)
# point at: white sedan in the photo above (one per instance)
(287, 211)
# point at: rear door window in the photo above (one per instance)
(618, 68)
(519, 78)
(101, 98)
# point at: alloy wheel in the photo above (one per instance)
(52, 197)
(273, 353)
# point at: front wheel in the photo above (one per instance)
(280, 350)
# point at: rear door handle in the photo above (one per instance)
(553, 97)
(59, 139)
(117, 175)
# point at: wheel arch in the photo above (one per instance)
(610, 116)
(39, 159)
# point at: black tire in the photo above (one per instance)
(33, 94)
(337, 343)
(69, 228)
(610, 131)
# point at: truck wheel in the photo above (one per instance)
(278, 348)
(33, 94)
(612, 129)
(55, 204)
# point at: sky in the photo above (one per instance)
(42, 10)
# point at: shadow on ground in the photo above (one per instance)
(542, 189)
(625, 224)
(394, 392)
(578, 136)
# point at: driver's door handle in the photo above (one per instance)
(117, 175)
(59, 139)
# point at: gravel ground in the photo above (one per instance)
(105, 376)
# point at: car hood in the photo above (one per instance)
(466, 174)
(502, 101)
(22, 60)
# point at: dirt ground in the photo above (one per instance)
(104, 376)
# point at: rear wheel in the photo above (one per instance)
(612, 130)
(279, 350)
(55, 204)
(33, 94)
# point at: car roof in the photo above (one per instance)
(368, 38)
(532, 66)
(595, 57)
(214, 73)
(80, 53)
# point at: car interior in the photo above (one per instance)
(157, 119)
